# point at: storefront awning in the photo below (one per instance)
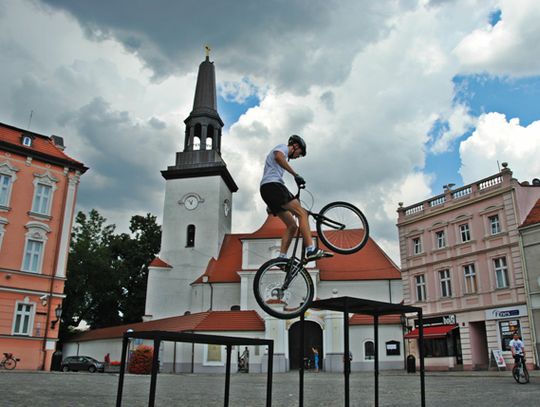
(438, 331)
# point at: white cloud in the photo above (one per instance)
(498, 140)
(459, 122)
(509, 47)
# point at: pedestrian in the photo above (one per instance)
(315, 358)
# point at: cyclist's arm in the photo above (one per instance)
(283, 163)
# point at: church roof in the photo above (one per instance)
(229, 321)
(534, 215)
(370, 263)
(157, 262)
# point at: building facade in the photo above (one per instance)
(529, 233)
(204, 268)
(461, 262)
(38, 189)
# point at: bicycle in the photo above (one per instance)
(8, 362)
(283, 288)
(519, 371)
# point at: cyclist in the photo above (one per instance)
(281, 202)
(518, 349)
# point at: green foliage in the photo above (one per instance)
(107, 273)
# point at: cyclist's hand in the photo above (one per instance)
(300, 181)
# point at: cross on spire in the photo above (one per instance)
(208, 49)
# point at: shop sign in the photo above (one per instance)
(506, 312)
(442, 320)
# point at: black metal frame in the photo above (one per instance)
(228, 341)
(367, 307)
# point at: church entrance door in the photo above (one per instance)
(312, 339)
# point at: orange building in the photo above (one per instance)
(38, 188)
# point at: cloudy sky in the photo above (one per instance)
(395, 98)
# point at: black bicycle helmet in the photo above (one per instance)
(300, 141)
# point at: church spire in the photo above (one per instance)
(203, 126)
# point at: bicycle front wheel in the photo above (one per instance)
(521, 375)
(342, 227)
(275, 296)
(10, 364)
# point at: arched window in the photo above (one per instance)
(190, 242)
(197, 134)
(196, 143)
(369, 350)
(209, 143)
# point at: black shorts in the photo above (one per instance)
(275, 195)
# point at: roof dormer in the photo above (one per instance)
(27, 140)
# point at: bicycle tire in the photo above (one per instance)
(342, 227)
(520, 378)
(10, 364)
(286, 304)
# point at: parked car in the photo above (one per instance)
(76, 363)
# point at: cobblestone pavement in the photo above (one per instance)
(56, 389)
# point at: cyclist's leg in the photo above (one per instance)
(287, 218)
(301, 214)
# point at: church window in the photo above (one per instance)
(369, 350)
(208, 143)
(190, 242)
(196, 143)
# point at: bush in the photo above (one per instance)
(141, 360)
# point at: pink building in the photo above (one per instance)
(461, 262)
(38, 189)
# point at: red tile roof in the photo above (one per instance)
(361, 319)
(202, 321)
(157, 262)
(534, 215)
(42, 146)
(370, 263)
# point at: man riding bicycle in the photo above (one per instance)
(518, 349)
(281, 202)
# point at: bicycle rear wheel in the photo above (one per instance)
(10, 364)
(342, 227)
(273, 298)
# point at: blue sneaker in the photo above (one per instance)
(315, 254)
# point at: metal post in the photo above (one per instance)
(125, 342)
(153, 378)
(269, 374)
(421, 353)
(346, 359)
(301, 357)
(376, 329)
(227, 376)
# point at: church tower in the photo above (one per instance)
(197, 208)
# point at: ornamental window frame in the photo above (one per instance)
(37, 234)
(45, 180)
(3, 223)
(22, 317)
(9, 173)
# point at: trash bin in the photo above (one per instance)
(56, 361)
(411, 364)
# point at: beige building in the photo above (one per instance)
(461, 262)
(529, 233)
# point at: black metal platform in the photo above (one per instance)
(367, 307)
(228, 341)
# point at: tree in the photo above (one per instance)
(107, 273)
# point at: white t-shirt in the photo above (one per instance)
(273, 172)
(517, 345)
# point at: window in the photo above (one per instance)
(440, 238)
(32, 256)
(190, 242)
(42, 199)
(501, 272)
(446, 285)
(417, 245)
(22, 323)
(507, 329)
(34, 247)
(27, 141)
(5, 182)
(369, 350)
(494, 224)
(214, 355)
(470, 278)
(465, 232)
(420, 287)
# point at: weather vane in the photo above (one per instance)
(208, 49)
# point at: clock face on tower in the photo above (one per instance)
(191, 202)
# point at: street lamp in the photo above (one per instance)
(58, 314)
